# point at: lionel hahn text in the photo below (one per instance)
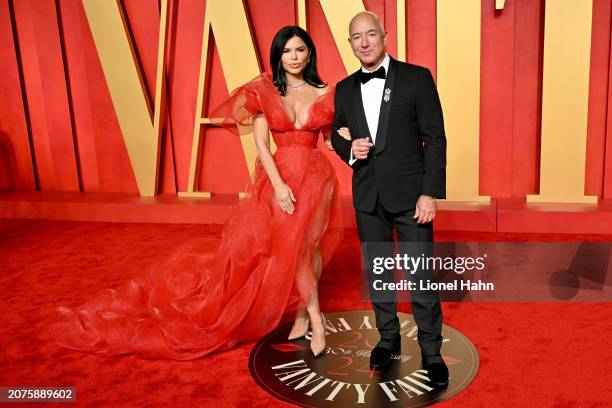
(430, 285)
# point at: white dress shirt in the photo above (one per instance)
(371, 98)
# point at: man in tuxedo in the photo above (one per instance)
(398, 155)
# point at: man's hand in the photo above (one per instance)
(425, 209)
(361, 148)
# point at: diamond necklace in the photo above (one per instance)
(297, 84)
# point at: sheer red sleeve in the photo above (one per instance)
(243, 105)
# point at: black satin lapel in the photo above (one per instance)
(385, 109)
(362, 123)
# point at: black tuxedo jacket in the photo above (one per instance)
(409, 156)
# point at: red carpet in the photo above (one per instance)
(531, 354)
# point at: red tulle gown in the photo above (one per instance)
(196, 303)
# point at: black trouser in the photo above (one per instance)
(377, 227)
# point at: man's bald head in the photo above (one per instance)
(367, 15)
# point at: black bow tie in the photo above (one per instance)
(366, 76)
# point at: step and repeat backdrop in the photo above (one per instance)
(114, 96)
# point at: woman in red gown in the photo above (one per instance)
(273, 246)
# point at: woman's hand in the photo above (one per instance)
(328, 143)
(285, 198)
(345, 133)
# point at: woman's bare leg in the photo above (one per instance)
(317, 343)
(302, 316)
(311, 313)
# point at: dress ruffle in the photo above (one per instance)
(237, 112)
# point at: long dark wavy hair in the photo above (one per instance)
(311, 76)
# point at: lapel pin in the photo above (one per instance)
(387, 96)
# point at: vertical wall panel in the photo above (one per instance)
(496, 97)
(184, 64)
(103, 158)
(390, 22)
(143, 22)
(459, 34)
(16, 167)
(527, 98)
(598, 97)
(565, 97)
(45, 84)
(421, 33)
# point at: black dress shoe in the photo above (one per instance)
(384, 350)
(438, 374)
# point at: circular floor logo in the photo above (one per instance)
(342, 377)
